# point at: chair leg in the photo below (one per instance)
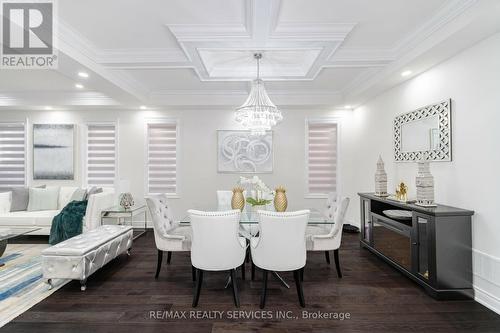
(158, 264)
(327, 257)
(264, 289)
(302, 274)
(337, 263)
(247, 255)
(298, 284)
(235, 288)
(193, 273)
(169, 257)
(198, 288)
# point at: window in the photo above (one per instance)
(101, 155)
(322, 157)
(12, 155)
(161, 151)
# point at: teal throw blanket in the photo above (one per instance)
(68, 223)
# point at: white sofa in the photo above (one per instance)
(43, 219)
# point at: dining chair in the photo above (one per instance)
(328, 237)
(281, 246)
(216, 246)
(330, 206)
(224, 203)
(169, 235)
(224, 200)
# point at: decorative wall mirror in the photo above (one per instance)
(424, 134)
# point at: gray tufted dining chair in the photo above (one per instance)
(170, 236)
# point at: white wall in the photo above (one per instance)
(198, 177)
(472, 80)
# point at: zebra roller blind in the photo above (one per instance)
(322, 157)
(101, 155)
(162, 158)
(12, 155)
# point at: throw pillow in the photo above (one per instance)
(78, 195)
(43, 199)
(93, 190)
(5, 202)
(20, 198)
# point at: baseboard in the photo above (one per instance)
(490, 301)
(486, 285)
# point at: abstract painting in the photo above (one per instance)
(242, 152)
(53, 151)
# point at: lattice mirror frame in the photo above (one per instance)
(443, 153)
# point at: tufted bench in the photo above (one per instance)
(79, 257)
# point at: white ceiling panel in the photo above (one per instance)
(380, 24)
(132, 24)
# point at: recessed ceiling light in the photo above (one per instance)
(347, 107)
(406, 73)
(79, 86)
(48, 107)
(83, 74)
(143, 107)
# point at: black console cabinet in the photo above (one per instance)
(434, 249)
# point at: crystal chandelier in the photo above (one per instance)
(258, 113)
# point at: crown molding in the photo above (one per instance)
(447, 13)
(458, 34)
(312, 31)
(82, 51)
(111, 57)
(67, 98)
(236, 97)
(208, 32)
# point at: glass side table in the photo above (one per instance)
(121, 214)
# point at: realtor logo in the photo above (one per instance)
(28, 35)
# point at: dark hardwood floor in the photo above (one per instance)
(122, 296)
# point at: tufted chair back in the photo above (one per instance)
(281, 245)
(224, 200)
(216, 245)
(329, 210)
(161, 214)
(339, 217)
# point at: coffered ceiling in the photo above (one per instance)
(191, 52)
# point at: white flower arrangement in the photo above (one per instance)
(259, 187)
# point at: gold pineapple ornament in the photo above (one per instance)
(238, 199)
(280, 200)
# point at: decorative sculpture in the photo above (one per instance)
(238, 199)
(380, 179)
(280, 200)
(126, 200)
(425, 185)
(402, 192)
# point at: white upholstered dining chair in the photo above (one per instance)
(224, 203)
(330, 206)
(224, 200)
(216, 246)
(169, 235)
(328, 237)
(281, 246)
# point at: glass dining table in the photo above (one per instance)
(251, 219)
(249, 227)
